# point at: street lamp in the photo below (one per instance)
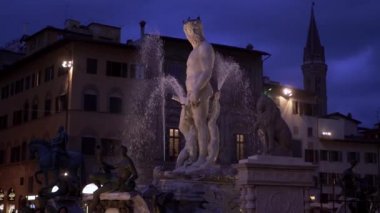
(287, 92)
(67, 65)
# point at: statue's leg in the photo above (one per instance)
(200, 120)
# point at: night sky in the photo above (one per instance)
(349, 31)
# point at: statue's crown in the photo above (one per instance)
(196, 21)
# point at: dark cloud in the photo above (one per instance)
(349, 30)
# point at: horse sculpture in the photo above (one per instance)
(69, 163)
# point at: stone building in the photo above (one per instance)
(329, 140)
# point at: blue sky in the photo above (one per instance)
(349, 30)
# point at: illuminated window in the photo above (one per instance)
(174, 143)
(240, 143)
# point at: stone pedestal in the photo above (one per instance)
(191, 195)
(273, 184)
(120, 202)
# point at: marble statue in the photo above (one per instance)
(200, 64)
(189, 153)
(271, 129)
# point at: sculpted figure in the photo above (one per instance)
(189, 153)
(271, 128)
(213, 147)
(200, 64)
(123, 180)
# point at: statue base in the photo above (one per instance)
(200, 193)
(117, 202)
(274, 184)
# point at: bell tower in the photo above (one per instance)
(314, 67)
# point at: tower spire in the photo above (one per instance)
(313, 51)
(314, 67)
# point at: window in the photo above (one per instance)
(370, 157)
(353, 156)
(309, 132)
(17, 117)
(174, 143)
(15, 154)
(47, 106)
(34, 109)
(3, 122)
(371, 180)
(2, 156)
(132, 71)
(23, 151)
(27, 82)
(117, 69)
(38, 78)
(5, 92)
(30, 184)
(33, 80)
(311, 156)
(19, 86)
(61, 103)
(240, 142)
(88, 145)
(21, 181)
(90, 102)
(335, 156)
(12, 89)
(92, 66)
(109, 146)
(26, 112)
(295, 107)
(49, 73)
(324, 155)
(115, 105)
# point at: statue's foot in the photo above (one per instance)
(199, 162)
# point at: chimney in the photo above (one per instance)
(142, 28)
(249, 46)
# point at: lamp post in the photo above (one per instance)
(67, 65)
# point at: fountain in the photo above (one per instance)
(198, 183)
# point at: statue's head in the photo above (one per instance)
(194, 30)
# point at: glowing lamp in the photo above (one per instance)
(54, 189)
(287, 92)
(67, 64)
(89, 188)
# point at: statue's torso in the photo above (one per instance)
(201, 59)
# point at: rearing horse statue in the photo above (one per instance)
(42, 150)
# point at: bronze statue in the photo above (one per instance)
(123, 180)
(58, 145)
